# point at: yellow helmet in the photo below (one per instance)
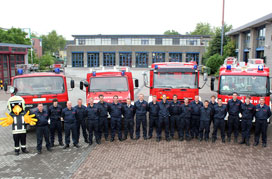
(16, 100)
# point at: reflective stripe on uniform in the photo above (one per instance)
(19, 131)
(17, 148)
(15, 123)
(23, 146)
(23, 122)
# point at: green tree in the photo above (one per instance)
(52, 42)
(45, 61)
(229, 49)
(34, 57)
(203, 29)
(171, 32)
(14, 36)
(214, 62)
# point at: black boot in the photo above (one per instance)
(17, 152)
(60, 143)
(24, 150)
(213, 140)
(247, 142)
(235, 139)
(243, 141)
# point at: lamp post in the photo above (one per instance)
(222, 30)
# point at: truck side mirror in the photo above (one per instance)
(86, 84)
(136, 83)
(145, 79)
(205, 76)
(212, 83)
(5, 86)
(81, 85)
(72, 83)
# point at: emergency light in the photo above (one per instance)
(156, 67)
(260, 68)
(20, 71)
(94, 73)
(123, 73)
(57, 70)
(228, 67)
(195, 67)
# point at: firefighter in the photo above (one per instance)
(81, 120)
(141, 108)
(186, 111)
(164, 113)
(54, 113)
(153, 107)
(128, 113)
(219, 114)
(248, 112)
(115, 110)
(175, 111)
(18, 119)
(212, 104)
(42, 128)
(233, 108)
(69, 116)
(92, 113)
(195, 120)
(262, 116)
(205, 117)
(103, 117)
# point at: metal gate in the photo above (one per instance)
(109, 59)
(175, 57)
(93, 59)
(142, 59)
(125, 59)
(158, 57)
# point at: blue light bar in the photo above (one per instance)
(228, 67)
(156, 67)
(260, 68)
(94, 73)
(195, 67)
(57, 70)
(123, 72)
(20, 71)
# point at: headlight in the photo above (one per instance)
(11, 89)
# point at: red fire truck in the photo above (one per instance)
(40, 87)
(180, 78)
(109, 82)
(251, 79)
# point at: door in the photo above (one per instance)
(142, 60)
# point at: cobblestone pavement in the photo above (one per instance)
(133, 159)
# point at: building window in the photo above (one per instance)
(193, 42)
(175, 57)
(176, 41)
(141, 59)
(167, 41)
(193, 56)
(77, 59)
(90, 41)
(144, 42)
(158, 57)
(136, 41)
(236, 42)
(81, 41)
(93, 59)
(109, 58)
(114, 41)
(106, 41)
(125, 59)
(5, 49)
(261, 37)
(158, 41)
(247, 40)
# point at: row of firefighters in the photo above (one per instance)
(192, 120)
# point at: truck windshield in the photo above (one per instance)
(175, 80)
(244, 85)
(39, 85)
(108, 84)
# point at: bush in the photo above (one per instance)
(214, 62)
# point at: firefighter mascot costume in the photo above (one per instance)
(18, 118)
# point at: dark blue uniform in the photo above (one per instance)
(92, 113)
(219, 114)
(175, 111)
(69, 117)
(195, 121)
(141, 109)
(233, 108)
(128, 113)
(205, 117)
(212, 105)
(164, 118)
(153, 117)
(103, 119)
(42, 129)
(116, 116)
(54, 114)
(248, 112)
(81, 121)
(186, 115)
(261, 115)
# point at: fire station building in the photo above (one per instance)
(134, 50)
(10, 56)
(254, 40)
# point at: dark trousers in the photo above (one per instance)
(233, 125)
(68, 128)
(163, 120)
(19, 138)
(104, 127)
(42, 131)
(93, 126)
(261, 127)
(195, 124)
(174, 121)
(212, 120)
(246, 127)
(204, 125)
(219, 123)
(116, 126)
(82, 123)
(55, 126)
(184, 127)
(153, 121)
(129, 127)
(141, 119)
